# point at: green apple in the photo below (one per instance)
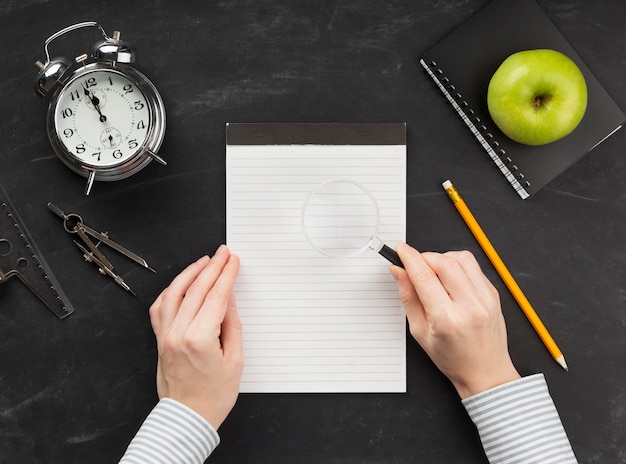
(537, 96)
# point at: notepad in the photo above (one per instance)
(312, 323)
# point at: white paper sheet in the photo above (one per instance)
(313, 323)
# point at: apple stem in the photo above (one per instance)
(539, 100)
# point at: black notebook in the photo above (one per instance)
(462, 65)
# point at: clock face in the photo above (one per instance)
(102, 118)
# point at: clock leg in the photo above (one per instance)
(90, 180)
(157, 158)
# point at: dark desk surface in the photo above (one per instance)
(76, 390)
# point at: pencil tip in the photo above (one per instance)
(562, 363)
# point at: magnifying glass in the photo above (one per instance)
(340, 219)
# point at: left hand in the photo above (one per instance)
(199, 337)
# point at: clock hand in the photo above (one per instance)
(95, 101)
(96, 104)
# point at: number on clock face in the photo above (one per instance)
(102, 118)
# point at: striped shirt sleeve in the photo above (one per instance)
(518, 423)
(172, 433)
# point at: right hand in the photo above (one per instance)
(454, 313)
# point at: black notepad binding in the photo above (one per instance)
(484, 136)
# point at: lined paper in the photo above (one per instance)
(313, 323)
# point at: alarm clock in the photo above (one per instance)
(105, 119)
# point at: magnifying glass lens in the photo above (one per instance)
(340, 218)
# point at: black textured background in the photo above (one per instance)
(76, 390)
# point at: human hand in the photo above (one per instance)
(199, 337)
(454, 313)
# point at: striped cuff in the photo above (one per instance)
(172, 433)
(518, 423)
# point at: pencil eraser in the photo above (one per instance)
(446, 185)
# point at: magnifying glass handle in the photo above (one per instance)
(391, 255)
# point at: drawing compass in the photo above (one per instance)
(91, 240)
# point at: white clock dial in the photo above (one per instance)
(102, 118)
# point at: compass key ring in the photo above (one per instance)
(70, 221)
(73, 224)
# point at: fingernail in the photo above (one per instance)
(394, 272)
(220, 250)
(203, 259)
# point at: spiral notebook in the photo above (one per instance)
(313, 323)
(462, 64)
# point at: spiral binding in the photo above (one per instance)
(479, 129)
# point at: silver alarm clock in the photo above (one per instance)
(105, 120)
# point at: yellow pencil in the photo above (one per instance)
(506, 276)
